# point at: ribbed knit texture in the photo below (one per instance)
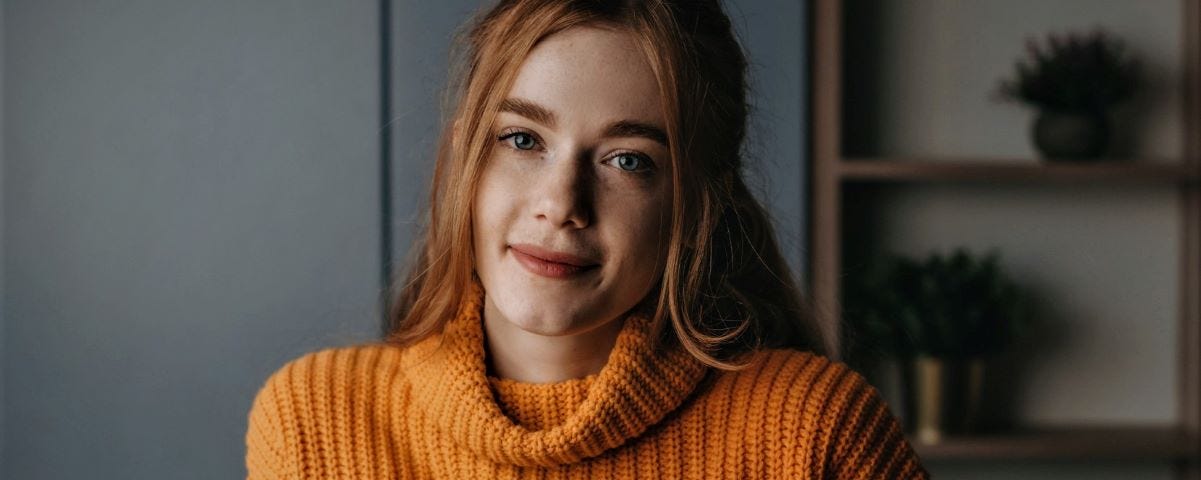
(430, 411)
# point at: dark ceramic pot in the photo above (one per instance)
(1071, 135)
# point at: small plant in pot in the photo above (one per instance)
(1074, 80)
(943, 318)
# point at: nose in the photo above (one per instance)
(563, 195)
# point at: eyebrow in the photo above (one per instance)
(529, 110)
(621, 128)
(626, 128)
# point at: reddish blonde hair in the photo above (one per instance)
(725, 289)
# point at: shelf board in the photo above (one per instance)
(1012, 170)
(1067, 443)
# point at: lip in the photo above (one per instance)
(548, 263)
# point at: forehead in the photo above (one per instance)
(591, 75)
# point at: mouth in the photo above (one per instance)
(552, 264)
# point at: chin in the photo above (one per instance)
(535, 313)
(550, 323)
(545, 329)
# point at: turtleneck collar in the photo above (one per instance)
(545, 424)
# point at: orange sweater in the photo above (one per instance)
(430, 411)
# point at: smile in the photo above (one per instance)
(532, 259)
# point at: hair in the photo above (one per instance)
(725, 289)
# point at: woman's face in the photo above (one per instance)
(572, 210)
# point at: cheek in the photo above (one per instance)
(641, 234)
(492, 207)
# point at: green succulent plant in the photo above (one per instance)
(1073, 72)
(955, 306)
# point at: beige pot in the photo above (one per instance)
(944, 396)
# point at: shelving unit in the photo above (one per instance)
(1068, 443)
(1012, 170)
(834, 176)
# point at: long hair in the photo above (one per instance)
(726, 289)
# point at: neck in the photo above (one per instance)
(524, 356)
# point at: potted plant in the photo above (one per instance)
(1074, 80)
(942, 318)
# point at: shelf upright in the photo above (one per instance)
(825, 209)
(1189, 348)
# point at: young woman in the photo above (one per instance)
(597, 295)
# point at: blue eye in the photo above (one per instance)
(631, 163)
(523, 141)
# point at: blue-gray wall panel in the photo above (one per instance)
(191, 200)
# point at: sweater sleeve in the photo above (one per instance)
(270, 447)
(867, 442)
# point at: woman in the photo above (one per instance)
(597, 293)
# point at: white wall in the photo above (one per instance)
(190, 200)
(928, 88)
(1102, 261)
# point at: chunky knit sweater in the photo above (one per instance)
(431, 411)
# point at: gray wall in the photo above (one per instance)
(190, 200)
(774, 34)
(2, 301)
(422, 32)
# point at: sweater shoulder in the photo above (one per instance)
(826, 414)
(335, 368)
(797, 373)
(316, 399)
(799, 382)
(833, 408)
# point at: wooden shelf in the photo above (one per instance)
(1012, 170)
(835, 177)
(1071, 443)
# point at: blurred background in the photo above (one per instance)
(1005, 227)
(194, 193)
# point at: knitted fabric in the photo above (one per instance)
(430, 411)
